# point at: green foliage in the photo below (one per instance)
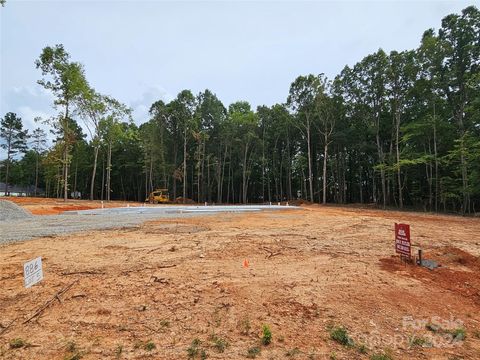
(196, 351)
(458, 334)
(266, 335)
(17, 343)
(149, 346)
(219, 343)
(394, 129)
(340, 335)
(418, 341)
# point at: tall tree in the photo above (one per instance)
(38, 144)
(66, 80)
(15, 138)
(324, 108)
(301, 99)
(460, 46)
(111, 131)
(183, 108)
(402, 74)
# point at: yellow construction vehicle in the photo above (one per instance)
(158, 196)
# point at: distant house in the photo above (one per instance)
(15, 190)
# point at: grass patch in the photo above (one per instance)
(415, 341)
(381, 357)
(74, 353)
(266, 335)
(149, 345)
(195, 350)
(218, 343)
(340, 335)
(17, 343)
(458, 334)
(253, 352)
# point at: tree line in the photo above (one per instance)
(398, 129)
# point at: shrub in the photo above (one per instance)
(340, 335)
(267, 335)
(17, 343)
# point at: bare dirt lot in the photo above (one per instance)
(175, 288)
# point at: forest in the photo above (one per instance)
(397, 130)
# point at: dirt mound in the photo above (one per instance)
(11, 211)
(459, 271)
(181, 200)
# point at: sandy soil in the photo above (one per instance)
(149, 292)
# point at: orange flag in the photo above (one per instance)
(245, 263)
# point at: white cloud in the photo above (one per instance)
(141, 106)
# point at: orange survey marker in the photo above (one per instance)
(245, 263)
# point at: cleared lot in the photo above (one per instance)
(23, 226)
(174, 287)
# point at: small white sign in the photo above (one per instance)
(32, 272)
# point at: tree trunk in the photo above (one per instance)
(109, 169)
(244, 175)
(65, 134)
(397, 149)
(325, 154)
(94, 172)
(436, 158)
(36, 175)
(309, 151)
(9, 140)
(184, 164)
(382, 170)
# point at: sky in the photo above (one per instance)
(143, 51)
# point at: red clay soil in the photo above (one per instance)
(459, 271)
(49, 206)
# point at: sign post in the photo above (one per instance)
(402, 241)
(32, 272)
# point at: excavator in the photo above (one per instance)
(159, 196)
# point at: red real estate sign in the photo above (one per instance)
(402, 239)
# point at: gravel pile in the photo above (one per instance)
(11, 211)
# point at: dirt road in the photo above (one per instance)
(180, 287)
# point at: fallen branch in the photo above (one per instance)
(11, 276)
(271, 253)
(86, 272)
(51, 301)
(6, 327)
(154, 249)
(166, 266)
